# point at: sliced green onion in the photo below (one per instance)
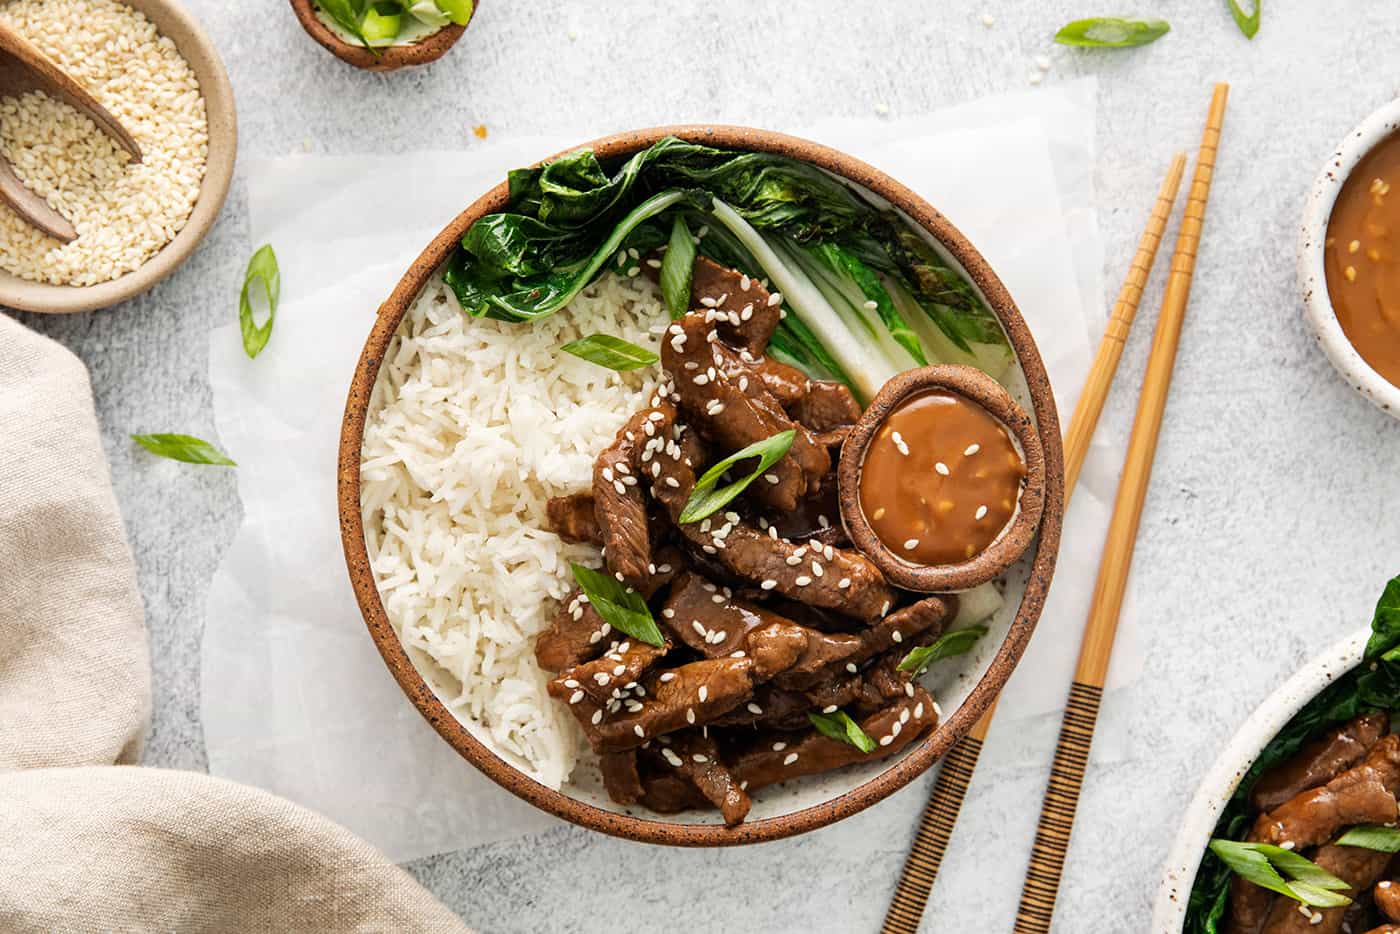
(459, 11)
(1248, 22)
(611, 352)
(428, 13)
(678, 269)
(346, 15)
(621, 607)
(840, 727)
(262, 269)
(1372, 837)
(186, 448)
(705, 500)
(382, 24)
(1266, 865)
(956, 642)
(1111, 32)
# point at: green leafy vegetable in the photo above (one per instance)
(705, 500)
(459, 11)
(185, 448)
(843, 262)
(1367, 687)
(678, 268)
(1248, 22)
(611, 352)
(619, 606)
(1372, 837)
(1110, 32)
(263, 270)
(1266, 865)
(381, 23)
(955, 642)
(840, 727)
(347, 15)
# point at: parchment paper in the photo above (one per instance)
(294, 696)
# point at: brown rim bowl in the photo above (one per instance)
(811, 803)
(195, 46)
(994, 560)
(391, 58)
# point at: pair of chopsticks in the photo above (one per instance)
(1081, 714)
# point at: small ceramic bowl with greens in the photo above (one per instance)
(385, 35)
(1294, 827)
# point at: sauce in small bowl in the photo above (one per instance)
(942, 480)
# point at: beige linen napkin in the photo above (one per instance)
(86, 846)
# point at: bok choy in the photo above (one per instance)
(865, 294)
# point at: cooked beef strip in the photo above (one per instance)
(620, 776)
(1364, 794)
(805, 522)
(777, 757)
(623, 664)
(788, 384)
(826, 406)
(572, 518)
(924, 619)
(577, 632)
(1319, 761)
(1357, 867)
(728, 404)
(618, 496)
(848, 583)
(749, 318)
(665, 792)
(691, 694)
(1387, 898)
(695, 758)
(1249, 904)
(774, 708)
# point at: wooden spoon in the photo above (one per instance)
(24, 68)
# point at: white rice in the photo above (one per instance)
(473, 425)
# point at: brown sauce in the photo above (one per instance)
(1362, 260)
(940, 479)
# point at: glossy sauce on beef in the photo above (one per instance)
(941, 479)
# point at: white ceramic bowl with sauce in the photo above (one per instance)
(1179, 873)
(1312, 279)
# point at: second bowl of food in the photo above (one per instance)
(1294, 826)
(588, 491)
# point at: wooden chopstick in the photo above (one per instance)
(955, 773)
(1081, 714)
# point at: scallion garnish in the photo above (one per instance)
(1111, 32)
(1248, 22)
(840, 727)
(678, 269)
(705, 500)
(611, 352)
(381, 23)
(1372, 837)
(1266, 866)
(949, 644)
(262, 268)
(620, 606)
(186, 448)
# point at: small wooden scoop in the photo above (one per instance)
(24, 68)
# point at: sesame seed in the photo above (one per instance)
(619, 671)
(654, 263)
(672, 758)
(942, 468)
(1353, 246)
(1350, 273)
(851, 667)
(638, 730)
(898, 440)
(971, 449)
(699, 758)
(754, 708)
(911, 544)
(771, 478)
(779, 746)
(704, 693)
(667, 676)
(885, 609)
(871, 305)
(608, 474)
(843, 583)
(621, 490)
(894, 730)
(886, 740)
(988, 20)
(575, 697)
(803, 581)
(790, 758)
(690, 715)
(1287, 845)
(981, 512)
(919, 710)
(673, 483)
(817, 570)
(597, 717)
(602, 678)
(878, 514)
(769, 584)
(897, 636)
(775, 299)
(909, 688)
(830, 708)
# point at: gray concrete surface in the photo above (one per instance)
(1268, 531)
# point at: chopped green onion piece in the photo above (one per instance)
(705, 500)
(186, 448)
(459, 11)
(1248, 22)
(620, 607)
(611, 352)
(382, 23)
(262, 268)
(678, 269)
(840, 727)
(1372, 837)
(428, 13)
(1266, 865)
(956, 642)
(346, 15)
(1110, 32)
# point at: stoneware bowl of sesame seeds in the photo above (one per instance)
(151, 64)
(1362, 349)
(492, 450)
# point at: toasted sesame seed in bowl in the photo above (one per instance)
(148, 63)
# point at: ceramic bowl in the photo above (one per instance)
(964, 690)
(428, 49)
(971, 383)
(1230, 767)
(1312, 278)
(189, 37)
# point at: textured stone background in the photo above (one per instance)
(1266, 533)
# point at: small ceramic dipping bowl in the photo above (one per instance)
(390, 58)
(1219, 784)
(977, 387)
(1312, 278)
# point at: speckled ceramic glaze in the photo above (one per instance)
(1224, 776)
(991, 562)
(966, 690)
(1312, 277)
(428, 49)
(196, 48)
